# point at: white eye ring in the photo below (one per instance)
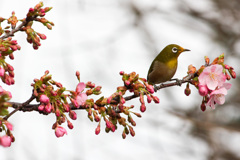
(174, 49)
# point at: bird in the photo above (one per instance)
(164, 66)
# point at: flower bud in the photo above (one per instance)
(203, 106)
(44, 99)
(142, 107)
(132, 132)
(41, 107)
(123, 135)
(203, 90)
(121, 73)
(60, 131)
(108, 123)
(232, 73)
(70, 125)
(97, 130)
(187, 91)
(149, 98)
(155, 99)
(206, 60)
(72, 115)
(227, 76)
(48, 108)
(2, 71)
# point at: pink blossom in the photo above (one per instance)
(212, 76)
(80, 87)
(2, 71)
(5, 141)
(217, 96)
(44, 99)
(203, 90)
(60, 131)
(81, 97)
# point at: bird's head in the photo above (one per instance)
(172, 51)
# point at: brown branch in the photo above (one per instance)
(18, 28)
(26, 107)
(19, 106)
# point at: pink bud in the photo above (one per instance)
(155, 99)
(227, 66)
(132, 132)
(123, 100)
(2, 71)
(113, 128)
(43, 36)
(70, 125)
(141, 99)
(41, 107)
(9, 126)
(203, 90)
(149, 98)
(57, 112)
(72, 115)
(150, 89)
(97, 130)
(60, 131)
(5, 141)
(121, 72)
(31, 9)
(44, 99)
(66, 107)
(109, 99)
(48, 108)
(142, 107)
(203, 106)
(14, 42)
(13, 47)
(108, 124)
(127, 83)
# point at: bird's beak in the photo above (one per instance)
(186, 50)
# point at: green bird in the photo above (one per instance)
(164, 66)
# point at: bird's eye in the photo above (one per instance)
(174, 50)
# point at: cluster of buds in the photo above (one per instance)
(211, 81)
(33, 14)
(7, 47)
(113, 107)
(5, 126)
(56, 100)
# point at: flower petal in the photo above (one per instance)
(80, 87)
(211, 84)
(219, 99)
(81, 98)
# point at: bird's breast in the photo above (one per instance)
(172, 64)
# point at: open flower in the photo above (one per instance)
(212, 76)
(218, 96)
(81, 97)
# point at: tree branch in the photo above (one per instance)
(26, 107)
(18, 28)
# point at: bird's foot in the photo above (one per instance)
(155, 88)
(178, 81)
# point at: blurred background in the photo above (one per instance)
(101, 38)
